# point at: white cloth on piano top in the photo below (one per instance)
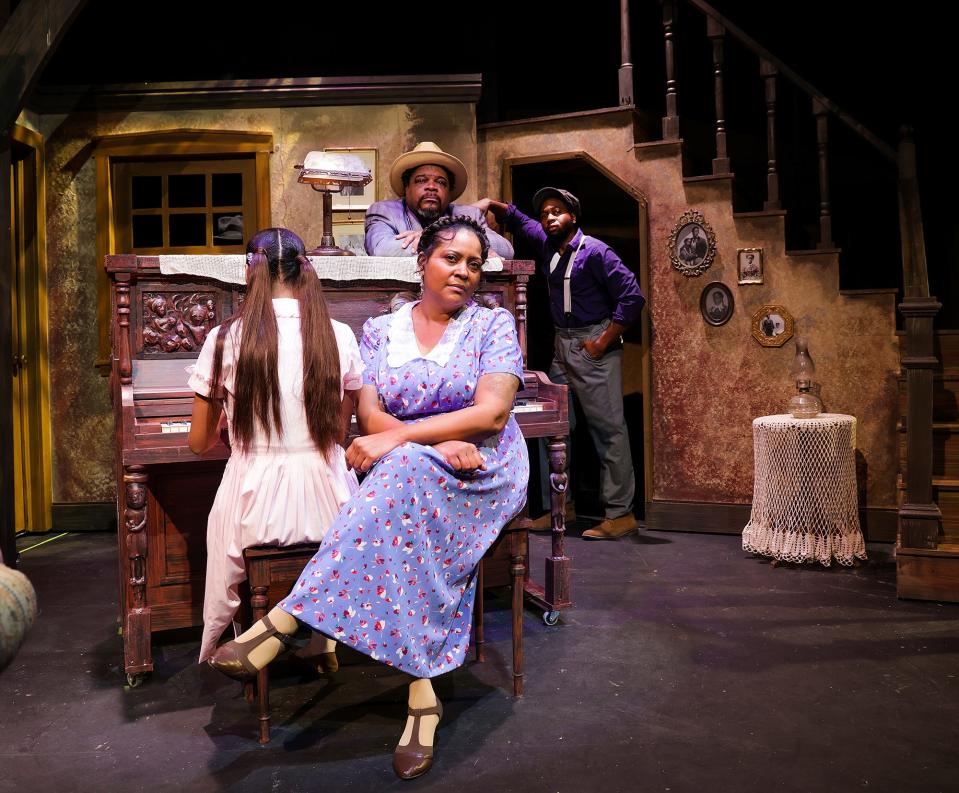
(232, 269)
(281, 492)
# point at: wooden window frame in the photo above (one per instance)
(125, 170)
(182, 144)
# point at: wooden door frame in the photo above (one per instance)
(34, 326)
(8, 544)
(643, 227)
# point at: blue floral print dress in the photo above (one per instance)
(395, 575)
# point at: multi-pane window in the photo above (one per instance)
(180, 206)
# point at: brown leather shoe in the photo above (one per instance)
(611, 529)
(321, 663)
(545, 522)
(327, 663)
(233, 658)
(414, 759)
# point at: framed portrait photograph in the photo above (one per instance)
(749, 265)
(772, 325)
(349, 235)
(357, 198)
(692, 244)
(716, 303)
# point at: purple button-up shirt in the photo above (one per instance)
(601, 286)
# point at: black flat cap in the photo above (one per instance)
(571, 201)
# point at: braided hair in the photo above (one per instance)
(444, 229)
(278, 254)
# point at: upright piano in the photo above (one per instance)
(165, 492)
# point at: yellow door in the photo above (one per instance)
(31, 435)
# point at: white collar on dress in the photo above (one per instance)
(286, 306)
(402, 348)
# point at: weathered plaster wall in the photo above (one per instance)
(82, 418)
(709, 383)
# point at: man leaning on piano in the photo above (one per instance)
(427, 180)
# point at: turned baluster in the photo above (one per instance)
(717, 33)
(822, 146)
(626, 67)
(769, 72)
(671, 120)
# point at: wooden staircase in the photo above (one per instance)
(927, 539)
(933, 573)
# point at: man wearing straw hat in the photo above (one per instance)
(426, 180)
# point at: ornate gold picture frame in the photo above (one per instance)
(772, 325)
(692, 244)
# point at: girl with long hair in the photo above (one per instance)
(446, 469)
(284, 376)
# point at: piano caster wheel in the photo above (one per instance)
(550, 617)
(134, 680)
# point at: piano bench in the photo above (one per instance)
(505, 564)
(271, 572)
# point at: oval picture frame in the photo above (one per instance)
(716, 303)
(692, 244)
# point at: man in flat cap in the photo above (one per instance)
(426, 180)
(593, 298)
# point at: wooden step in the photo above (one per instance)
(814, 252)
(868, 292)
(933, 574)
(945, 346)
(937, 426)
(945, 449)
(657, 149)
(945, 398)
(938, 483)
(945, 492)
(760, 214)
(718, 177)
(948, 501)
(926, 574)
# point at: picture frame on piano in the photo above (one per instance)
(357, 198)
(348, 231)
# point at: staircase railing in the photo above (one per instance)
(920, 521)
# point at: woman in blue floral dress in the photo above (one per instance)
(446, 469)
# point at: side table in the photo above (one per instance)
(804, 493)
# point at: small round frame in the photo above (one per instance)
(716, 303)
(692, 244)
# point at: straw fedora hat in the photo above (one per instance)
(428, 153)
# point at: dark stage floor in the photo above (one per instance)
(686, 665)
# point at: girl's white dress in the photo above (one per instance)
(281, 491)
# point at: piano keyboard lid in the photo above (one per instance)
(161, 378)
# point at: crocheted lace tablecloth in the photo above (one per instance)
(232, 269)
(804, 494)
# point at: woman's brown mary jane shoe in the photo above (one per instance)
(233, 658)
(414, 759)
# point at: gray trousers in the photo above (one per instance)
(598, 387)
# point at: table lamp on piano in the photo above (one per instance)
(330, 172)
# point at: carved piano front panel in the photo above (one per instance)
(173, 320)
